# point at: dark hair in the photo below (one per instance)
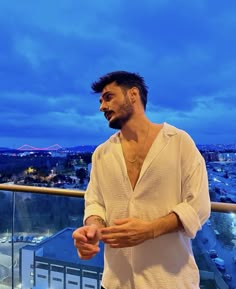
(125, 80)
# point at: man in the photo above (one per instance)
(147, 196)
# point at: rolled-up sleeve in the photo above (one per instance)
(195, 207)
(94, 204)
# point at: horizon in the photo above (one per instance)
(27, 147)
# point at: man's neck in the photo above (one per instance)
(135, 129)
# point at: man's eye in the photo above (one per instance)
(108, 97)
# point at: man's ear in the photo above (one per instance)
(133, 94)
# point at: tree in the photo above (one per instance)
(81, 174)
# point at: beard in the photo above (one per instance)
(124, 114)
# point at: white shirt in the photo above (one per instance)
(173, 178)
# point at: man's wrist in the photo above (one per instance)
(95, 220)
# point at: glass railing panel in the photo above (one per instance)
(215, 251)
(41, 244)
(6, 246)
(36, 238)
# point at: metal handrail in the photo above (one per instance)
(215, 206)
(42, 190)
(223, 207)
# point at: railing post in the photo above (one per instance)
(12, 237)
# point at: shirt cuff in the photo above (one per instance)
(94, 210)
(188, 218)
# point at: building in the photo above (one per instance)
(54, 264)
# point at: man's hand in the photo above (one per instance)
(86, 240)
(127, 232)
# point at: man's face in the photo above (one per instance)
(116, 105)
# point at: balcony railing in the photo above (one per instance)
(49, 215)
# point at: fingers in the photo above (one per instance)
(92, 232)
(117, 232)
(114, 229)
(108, 238)
(79, 235)
(85, 233)
(86, 241)
(120, 243)
(126, 233)
(86, 254)
(86, 250)
(120, 225)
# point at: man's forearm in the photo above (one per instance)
(167, 224)
(95, 220)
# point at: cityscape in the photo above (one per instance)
(37, 230)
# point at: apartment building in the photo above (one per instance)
(54, 264)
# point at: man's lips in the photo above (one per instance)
(108, 115)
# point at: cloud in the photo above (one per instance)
(208, 123)
(51, 52)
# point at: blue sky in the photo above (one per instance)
(51, 52)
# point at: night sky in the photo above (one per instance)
(51, 52)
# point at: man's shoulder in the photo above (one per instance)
(172, 130)
(108, 144)
(181, 134)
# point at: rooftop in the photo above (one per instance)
(61, 247)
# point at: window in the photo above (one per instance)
(57, 268)
(42, 266)
(56, 279)
(73, 272)
(41, 276)
(72, 283)
(89, 286)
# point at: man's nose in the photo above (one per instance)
(104, 106)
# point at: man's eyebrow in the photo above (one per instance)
(105, 94)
